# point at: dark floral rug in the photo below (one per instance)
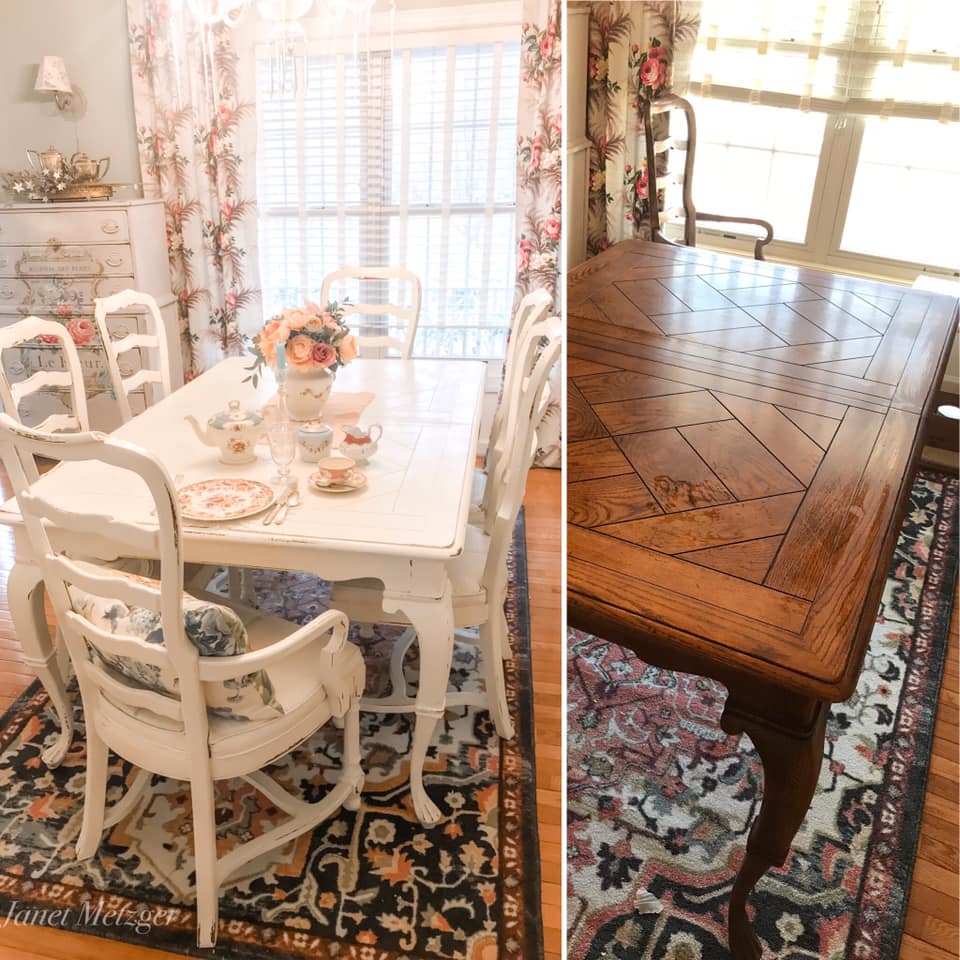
(660, 798)
(370, 885)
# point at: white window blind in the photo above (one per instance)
(402, 157)
(862, 57)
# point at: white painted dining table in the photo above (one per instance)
(403, 528)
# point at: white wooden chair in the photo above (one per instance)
(479, 574)
(405, 313)
(157, 376)
(149, 696)
(12, 394)
(532, 308)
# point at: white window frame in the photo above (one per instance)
(832, 189)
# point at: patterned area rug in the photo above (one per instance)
(659, 797)
(370, 885)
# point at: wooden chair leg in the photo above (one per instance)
(352, 768)
(494, 683)
(95, 794)
(205, 861)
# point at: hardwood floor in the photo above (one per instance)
(543, 556)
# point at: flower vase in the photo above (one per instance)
(308, 390)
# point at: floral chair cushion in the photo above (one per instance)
(215, 630)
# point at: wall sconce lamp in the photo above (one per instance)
(52, 75)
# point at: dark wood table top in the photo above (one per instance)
(742, 437)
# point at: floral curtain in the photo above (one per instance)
(539, 165)
(636, 50)
(197, 141)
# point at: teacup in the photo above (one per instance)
(315, 441)
(336, 468)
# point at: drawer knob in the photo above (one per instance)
(120, 332)
(114, 261)
(109, 226)
(125, 369)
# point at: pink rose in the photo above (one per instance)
(655, 53)
(546, 47)
(329, 320)
(662, 75)
(642, 191)
(274, 332)
(635, 48)
(63, 310)
(82, 331)
(47, 338)
(551, 229)
(226, 211)
(300, 351)
(348, 348)
(324, 355)
(650, 73)
(231, 301)
(224, 113)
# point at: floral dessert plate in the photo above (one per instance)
(226, 498)
(352, 480)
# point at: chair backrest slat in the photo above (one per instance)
(407, 313)
(55, 337)
(136, 698)
(155, 339)
(118, 644)
(136, 538)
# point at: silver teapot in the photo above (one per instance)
(88, 170)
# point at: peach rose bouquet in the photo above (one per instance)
(316, 338)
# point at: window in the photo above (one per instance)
(402, 156)
(839, 124)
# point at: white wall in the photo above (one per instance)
(91, 36)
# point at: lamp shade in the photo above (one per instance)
(52, 75)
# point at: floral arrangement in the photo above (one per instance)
(315, 338)
(38, 183)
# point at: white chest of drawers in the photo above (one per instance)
(56, 259)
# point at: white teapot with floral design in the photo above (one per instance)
(233, 430)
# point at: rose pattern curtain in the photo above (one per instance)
(197, 143)
(539, 165)
(636, 50)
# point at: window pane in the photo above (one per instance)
(905, 202)
(755, 161)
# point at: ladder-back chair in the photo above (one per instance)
(655, 182)
(402, 311)
(479, 575)
(157, 376)
(188, 688)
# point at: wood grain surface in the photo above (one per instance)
(748, 428)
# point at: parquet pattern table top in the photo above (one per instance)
(740, 433)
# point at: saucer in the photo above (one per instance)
(354, 480)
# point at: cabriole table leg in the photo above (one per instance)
(432, 618)
(25, 594)
(791, 767)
